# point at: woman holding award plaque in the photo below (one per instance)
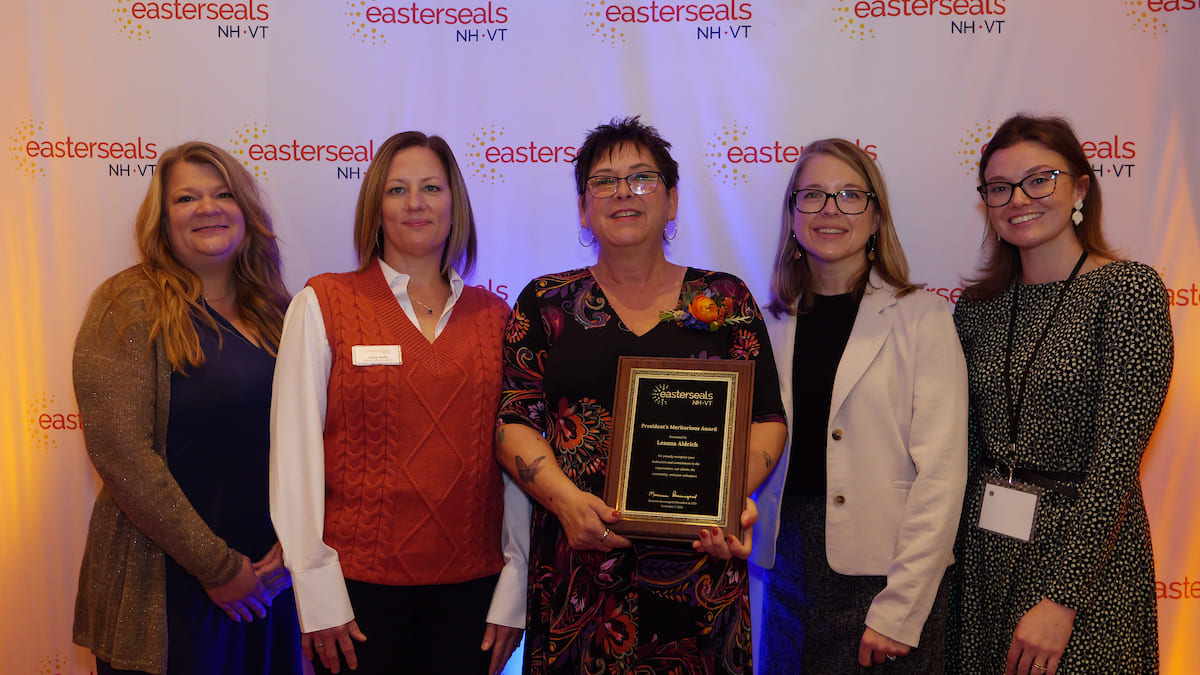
(597, 598)
(860, 517)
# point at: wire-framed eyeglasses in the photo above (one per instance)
(640, 183)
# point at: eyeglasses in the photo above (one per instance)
(849, 202)
(640, 183)
(1035, 186)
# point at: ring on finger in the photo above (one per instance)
(318, 644)
(605, 535)
(891, 657)
(1039, 667)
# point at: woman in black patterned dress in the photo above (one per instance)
(1069, 355)
(598, 602)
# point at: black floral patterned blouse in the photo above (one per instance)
(653, 608)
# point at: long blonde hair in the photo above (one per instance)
(261, 295)
(791, 280)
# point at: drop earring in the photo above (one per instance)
(1077, 212)
(871, 245)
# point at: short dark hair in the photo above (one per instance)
(606, 138)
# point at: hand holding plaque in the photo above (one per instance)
(677, 462)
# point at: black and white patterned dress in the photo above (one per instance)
(1092, 400)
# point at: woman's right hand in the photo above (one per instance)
(585, 519)
(244, 597)
(327, 642)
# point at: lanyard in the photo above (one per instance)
(1014, 410)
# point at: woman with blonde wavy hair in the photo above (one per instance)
(182, 572)
(859, 516)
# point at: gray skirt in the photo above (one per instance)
(814, 618)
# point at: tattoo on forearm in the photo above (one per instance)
(767, 459)
(528, 471)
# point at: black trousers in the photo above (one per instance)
(420, 629)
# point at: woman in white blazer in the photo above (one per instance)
(858, 519)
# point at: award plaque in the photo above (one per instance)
(677, 462)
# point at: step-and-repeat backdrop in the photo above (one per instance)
(304, 91)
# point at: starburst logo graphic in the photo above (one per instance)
(21, 160)
(848, 24)
(718, 155)
(52, 665)
(38, 435)
(126, 24)
(607, 33)
(659, 394)
(357, 23)
(242, 140)
(1147, 22)
(477, 164)
(972, 145)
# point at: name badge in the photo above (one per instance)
(375, 355)
(1008, 511)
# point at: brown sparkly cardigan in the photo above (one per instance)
(123, 387)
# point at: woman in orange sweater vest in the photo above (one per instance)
(384, 489)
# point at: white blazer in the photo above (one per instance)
(896, 453)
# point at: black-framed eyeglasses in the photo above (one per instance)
(640, 183)
(1037, 185)
(849, 202)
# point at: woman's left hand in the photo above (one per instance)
(1040, 639)
(502, 641)
(271, 572)
(875, 647)
(716, 543)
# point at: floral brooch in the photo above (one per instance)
(702, 311)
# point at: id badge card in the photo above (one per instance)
(375, 355)
(1008, 511)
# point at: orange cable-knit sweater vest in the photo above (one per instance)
(413, 494)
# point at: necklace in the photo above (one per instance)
(428, 309)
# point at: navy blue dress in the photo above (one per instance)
(218, 444)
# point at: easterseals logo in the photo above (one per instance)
(45, 420)
(134, 18)
(857, 19)
(367, 22)
(607, 21)
(662, 394)
(31, 150)
(731, 150)
(251, 145)
(489, 153)
(1151, 16)
(1110, 156)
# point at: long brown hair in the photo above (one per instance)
(1001, 261)
(459, 251)
(261, 295)
(791, 279)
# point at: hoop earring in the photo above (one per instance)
(1077, 212)
(871, 246)
(669, 232)
(588, 243)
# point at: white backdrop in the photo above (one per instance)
(94, 91)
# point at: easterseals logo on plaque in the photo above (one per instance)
(678, 457)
